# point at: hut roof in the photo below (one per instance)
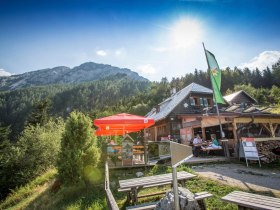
(165, 108)
(240, 97)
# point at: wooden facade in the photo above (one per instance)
(194, 114)
(240, 97)
(170, 126)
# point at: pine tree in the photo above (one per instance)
(276, 73)
(79, 154)
(267, 78)
(40, 113)
(4, 133)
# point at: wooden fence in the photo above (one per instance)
(111, 202)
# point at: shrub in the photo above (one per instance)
(79, 154)
(36, 151)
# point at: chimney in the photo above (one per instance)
(157, 108)
(173, 91)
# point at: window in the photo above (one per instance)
(205, 102)
(201, 102)
(192, 101)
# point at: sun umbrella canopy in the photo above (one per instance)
(103, 132)
(121, 124)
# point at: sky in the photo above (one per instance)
(156, 38)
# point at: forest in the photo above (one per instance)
(32, 119)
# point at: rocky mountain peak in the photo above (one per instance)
(85, 72)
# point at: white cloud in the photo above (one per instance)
(147, 69)
(4, 73)
(102, 53)
(264, 59)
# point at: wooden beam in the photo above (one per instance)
(271, 130)
(155, 133)
(266, 128)
(256, 120)
(267, 139)
(275, 127)
(235, 139)
(203, 134)
(234, 132)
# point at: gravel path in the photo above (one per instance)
(243, 177)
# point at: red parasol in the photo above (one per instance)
(103, 132)
(121, 124)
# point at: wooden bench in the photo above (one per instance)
(112, 204)
(246, 200)
(200, 199)
(143, 187)
(133, 186)
(197, 196)
(145, 206)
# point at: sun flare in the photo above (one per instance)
(186, 32)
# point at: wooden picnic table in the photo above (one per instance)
(246, 200)
(133, 186)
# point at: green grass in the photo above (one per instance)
(73, 197)
(20, 194)
(38, 194)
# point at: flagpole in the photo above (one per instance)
(217, 108)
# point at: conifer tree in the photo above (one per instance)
(40, 113)
(4, 133)
(276, 73)
(79, 153)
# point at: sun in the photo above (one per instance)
(186, 32)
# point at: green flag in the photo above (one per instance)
(215, 75)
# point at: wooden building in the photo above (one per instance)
(191, 100)
(190, 111)
(240, 97)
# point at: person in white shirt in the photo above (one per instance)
(197, 141)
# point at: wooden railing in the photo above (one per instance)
(111, 202)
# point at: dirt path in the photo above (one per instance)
(243, 177)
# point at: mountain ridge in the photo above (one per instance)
(85, 72)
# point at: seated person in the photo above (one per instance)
(215, 144)
(196, 145)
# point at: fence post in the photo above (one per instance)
(107, 183)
